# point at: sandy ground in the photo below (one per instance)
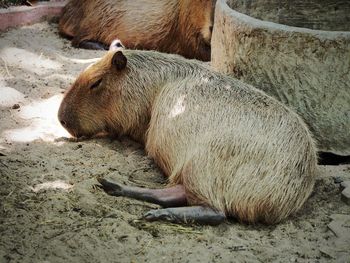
(50, 210)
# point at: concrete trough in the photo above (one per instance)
(296, 51)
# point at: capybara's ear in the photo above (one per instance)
(116, 45)
(119, 60)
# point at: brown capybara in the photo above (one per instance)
(172, 26)
(227, 148)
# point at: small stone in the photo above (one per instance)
(327, 253)
(344, 184)
(340, 225)
(15, 106)
(345, 195)
(337, 180)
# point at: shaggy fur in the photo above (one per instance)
(172, 26)
(233, 147)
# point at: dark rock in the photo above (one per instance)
(15, 106)
(337, 180)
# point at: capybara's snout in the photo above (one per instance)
(67, 120)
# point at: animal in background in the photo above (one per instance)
(173, 26)
(227, 148)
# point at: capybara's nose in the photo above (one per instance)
(67, 119)
(63, 123)
(63, 118)
(62, 115)
(67, 124)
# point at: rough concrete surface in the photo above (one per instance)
(308, 70)
(331, 15)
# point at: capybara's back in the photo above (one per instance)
(232, 147)
(172, 26)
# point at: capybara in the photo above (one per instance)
(227, 148)
(172, 26)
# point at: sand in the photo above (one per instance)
(51, 211)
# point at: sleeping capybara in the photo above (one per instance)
(172, 26)
(227, 148)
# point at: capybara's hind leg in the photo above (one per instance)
(188, 214)
(167, 197)
(89, 44)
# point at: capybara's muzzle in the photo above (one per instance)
(67, 120)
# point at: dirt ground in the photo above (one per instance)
(50, 210)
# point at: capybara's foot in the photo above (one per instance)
(89, 44)
(189, 214)
(110, 188)
(167, 197)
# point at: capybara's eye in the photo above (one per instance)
(96, 84)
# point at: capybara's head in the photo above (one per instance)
(94, 102)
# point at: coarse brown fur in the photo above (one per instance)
(233, 147)
(172, 26)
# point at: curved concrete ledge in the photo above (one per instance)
(308, 70)
(330, 15)
(24, 15)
